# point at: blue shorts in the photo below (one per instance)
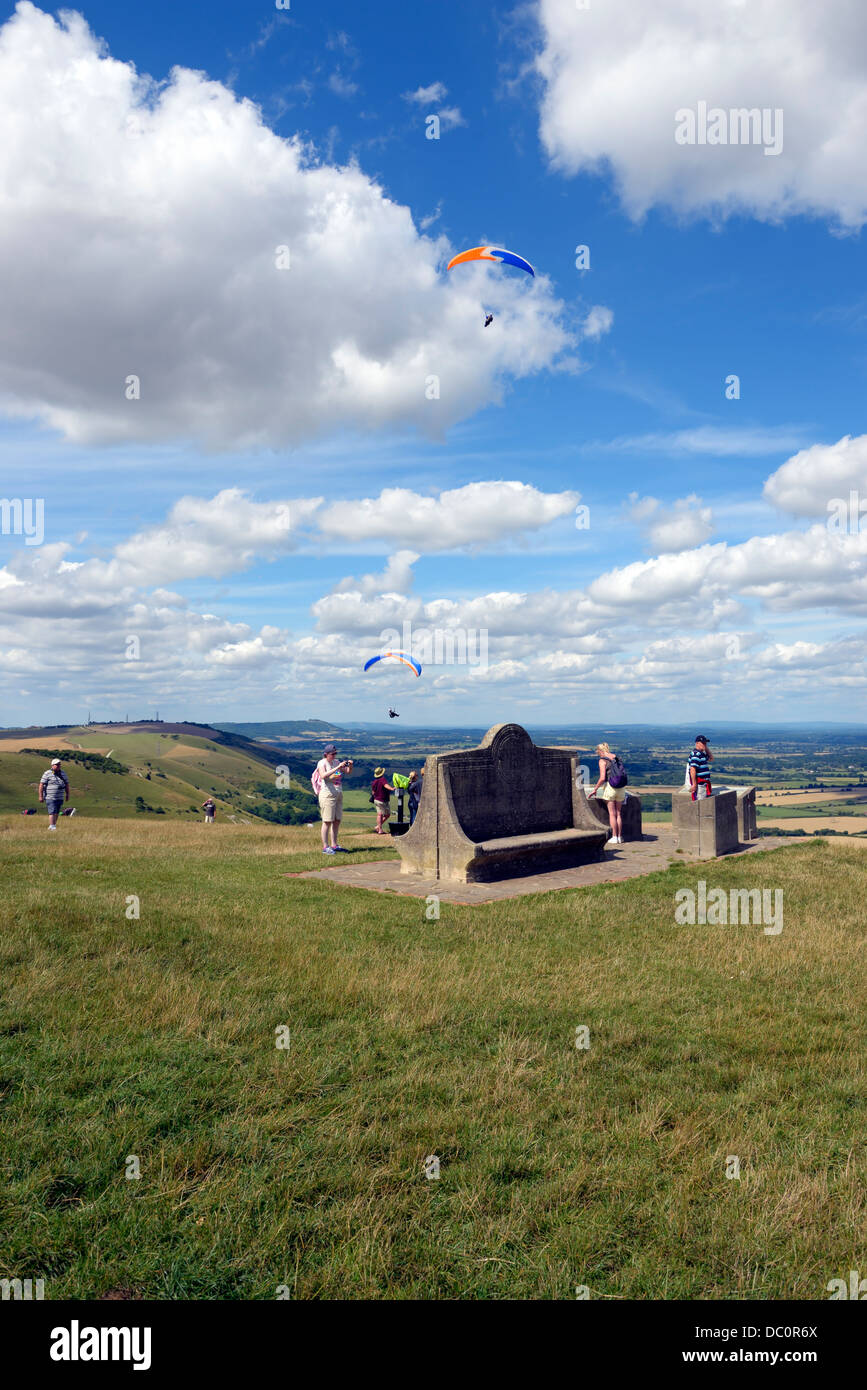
(53, 807)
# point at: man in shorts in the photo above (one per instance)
(54, 790)
(210, 809)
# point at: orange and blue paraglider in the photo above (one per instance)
(491, 253)
(407, 660)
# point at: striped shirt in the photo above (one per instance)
(55, 784)
(698, 760)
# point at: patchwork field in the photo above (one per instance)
(803, 798)
(148, 1044)
(855, 825)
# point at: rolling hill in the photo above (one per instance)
(151, 769)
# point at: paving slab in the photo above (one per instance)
(633, 859)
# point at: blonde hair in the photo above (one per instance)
(603, 748)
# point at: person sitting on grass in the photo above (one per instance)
(381, 791)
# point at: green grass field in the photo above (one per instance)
(155, 1039)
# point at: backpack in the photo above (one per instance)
(316, 780)
(616, 772)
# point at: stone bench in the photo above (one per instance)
(630, 814)
(505, 809)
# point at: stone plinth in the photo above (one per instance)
(707, 827)
(503, 809)
(630, 814)
(746, 812)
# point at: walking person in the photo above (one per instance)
(381, 790)
(330, 775)
(414, 795)
(210, 809)
(54, 790)
(614, 796)
(698, 766)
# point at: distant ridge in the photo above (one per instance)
(283, 728)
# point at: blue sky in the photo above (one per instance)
(141, 225)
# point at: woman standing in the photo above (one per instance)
(331, 797)
(613, 795)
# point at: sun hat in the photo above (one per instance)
(379, 772)
(55, 762)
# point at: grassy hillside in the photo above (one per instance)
(154, 1038)
(174, 772)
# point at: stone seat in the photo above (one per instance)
(550, 837)
(550, 850)
(505, 809)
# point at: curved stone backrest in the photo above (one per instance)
(508, 786)
(504, 808)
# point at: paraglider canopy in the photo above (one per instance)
(403, 657)
(491, 253)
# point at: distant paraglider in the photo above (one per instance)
(405, 659)
(497, 254)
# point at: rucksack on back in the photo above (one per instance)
(316, 780)
(617, 772)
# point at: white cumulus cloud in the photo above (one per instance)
(431, 95)
(144, 219)
(616, 73)
(808, 483)
(472, 515)
(680, 525)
